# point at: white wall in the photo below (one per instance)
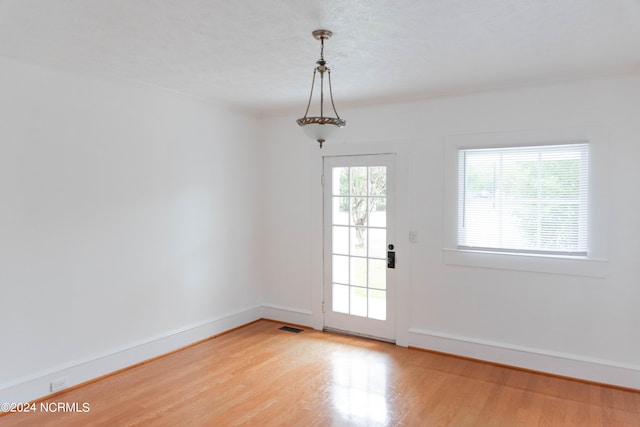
(128, 225)
(577, 326)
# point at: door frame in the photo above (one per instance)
(403, 265)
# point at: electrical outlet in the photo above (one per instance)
(413, 236)
(59, 384)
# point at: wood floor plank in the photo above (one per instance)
(261, 376)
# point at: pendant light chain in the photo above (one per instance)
(322, 70)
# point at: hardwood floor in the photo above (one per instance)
(260, 375)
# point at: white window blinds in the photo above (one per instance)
(524, 199)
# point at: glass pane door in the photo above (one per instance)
(356, 230)
(359, 255)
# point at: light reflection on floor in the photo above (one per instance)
(360, 388)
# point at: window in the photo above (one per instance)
(528, 200)
(531, 199)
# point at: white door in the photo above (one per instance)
(359, 207)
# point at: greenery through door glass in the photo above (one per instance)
(367, 191)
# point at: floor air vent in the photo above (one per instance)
(291, 329)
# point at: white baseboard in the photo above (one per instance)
(38, 385)
(287, 314)
(566, 365)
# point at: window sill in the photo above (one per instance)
(573, 266)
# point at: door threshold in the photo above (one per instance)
(356, 334)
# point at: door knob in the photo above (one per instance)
(391, 258)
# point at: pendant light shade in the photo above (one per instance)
(322, 131)
(321, 128)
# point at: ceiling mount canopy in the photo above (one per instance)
(322, 127)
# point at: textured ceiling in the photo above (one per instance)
(259, 54)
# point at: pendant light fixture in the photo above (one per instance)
(321, 128)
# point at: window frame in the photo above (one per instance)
(594, 264)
